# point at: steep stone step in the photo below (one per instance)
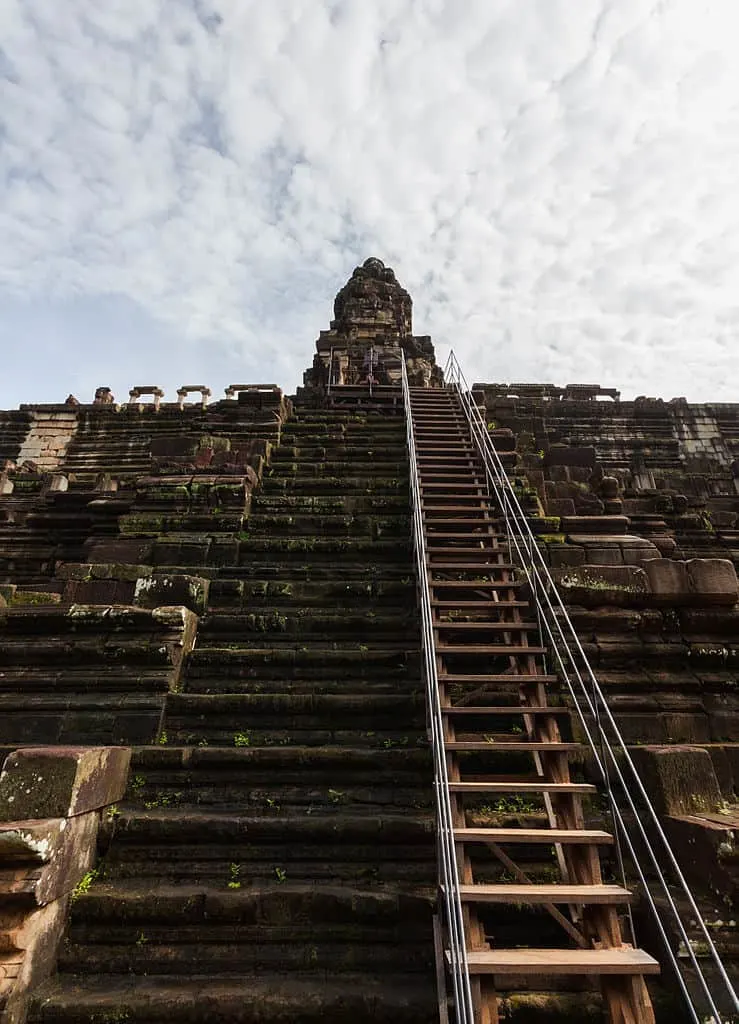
(205, 521)
(337, 502)
(389, 594)
(257, 550)
(282, 624)
(300, 719)
(180, 845)
(233, 671)
(346, 485)
(270, 780)
(291, 450)
(276, 524)
(370, 466)
(281, 998)
(240, 927)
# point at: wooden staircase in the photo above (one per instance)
(505, 743)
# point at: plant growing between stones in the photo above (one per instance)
(234, 871)
(84, 883)
(280, 874)
(242, 739)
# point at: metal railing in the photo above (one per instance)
(451, 903)
(636, 824)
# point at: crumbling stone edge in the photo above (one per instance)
(51, 803)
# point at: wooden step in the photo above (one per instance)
(440, 430)
(498, 678)
(453, 426)
(472, 551)
(475, 584)
(477, 627)
(490, 603)
(534, 836)
(453, 443)
(502, 709)
(443, 448)
(550, 893)
(513, 786)
(483, 565)
(482, 506)
(515, 746)
(444, 459)
(483, 525)
(459, 477)
(621, 960)
(427, 485)
(494, 650)
(433, 489)
(466, 535)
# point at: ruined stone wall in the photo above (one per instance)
(101, 507)
(636, 510)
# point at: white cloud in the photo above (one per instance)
(554, 182)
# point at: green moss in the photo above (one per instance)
(33, 597)
(545, 524)
(222, 444)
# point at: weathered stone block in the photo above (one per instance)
(98, 592)
(679, 779)
(595, 585)
(172, 589)
(560, 506)
(605, 555)
(174, 446)
(128, 551)
(65, 848)
(570, 456)
(705, 848)
(59, 782)
(595, 524)
(561, 555)
(713, 580)
(668, 581)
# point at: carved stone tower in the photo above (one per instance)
(372, 326)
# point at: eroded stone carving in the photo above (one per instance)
(187, 389)
(146, 389)
(371, 329)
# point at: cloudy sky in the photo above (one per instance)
(187, 183)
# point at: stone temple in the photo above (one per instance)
(254, 648)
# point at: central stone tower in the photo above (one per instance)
(372, 327)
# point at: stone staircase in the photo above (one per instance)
(274, 859)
